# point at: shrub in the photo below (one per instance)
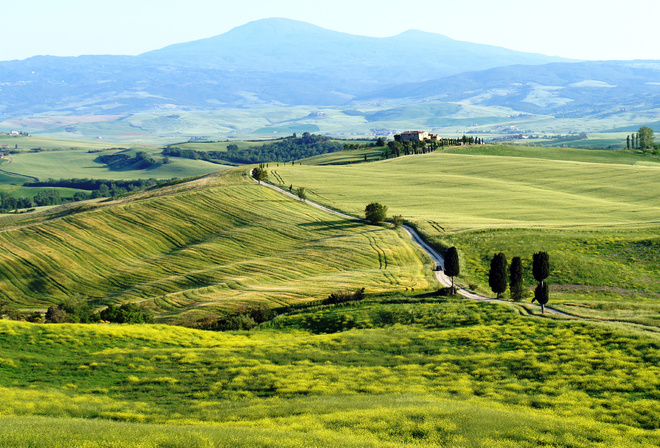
(344, 296)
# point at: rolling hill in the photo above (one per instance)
(563, 90)
(197, 247)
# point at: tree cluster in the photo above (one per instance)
(79, 311)
(497, 277)
(643, 140)
(141, 161)
(243, 318)
(98, 189)
(284, 150)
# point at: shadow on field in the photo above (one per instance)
(338, 224)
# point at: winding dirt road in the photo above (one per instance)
(435, 256)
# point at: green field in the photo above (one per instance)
(396, 372)
(196, 247)
(81, 164)
(596, 212)
(404, 367)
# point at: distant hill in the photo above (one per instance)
(565, 90)
(270, 61)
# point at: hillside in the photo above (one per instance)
(394, 373)
(595, 212)
(563, 90)
(198, 247)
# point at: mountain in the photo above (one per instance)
(565, 90)
(270, 61)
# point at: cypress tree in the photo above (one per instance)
(497, 275)
(452, 267)
(516, 287)
(541, 295)
(540, 266)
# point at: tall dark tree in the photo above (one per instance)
(628, 142)
(452, 266)
(541, 295)
(497, 275)
(540, 266)
(516, 287)
(375, 212)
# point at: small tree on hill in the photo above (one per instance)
(516, 287)
(397, 220)
(375, 212)
(497, 274)
(301, 193)
(452, 266)
(260, 174)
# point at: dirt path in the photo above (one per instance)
(435, 256)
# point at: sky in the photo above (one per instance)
(579, 29)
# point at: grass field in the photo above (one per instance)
(81, 164)
(596, 212)
(397, 372)
(199, 246)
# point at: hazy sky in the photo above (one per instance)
(583, 29)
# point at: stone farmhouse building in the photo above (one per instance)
(417, 136)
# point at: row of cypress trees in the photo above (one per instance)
(497, 278)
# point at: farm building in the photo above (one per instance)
(417, 136)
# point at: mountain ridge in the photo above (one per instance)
(267, 62)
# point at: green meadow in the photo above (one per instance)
(392, 372)
(597, 213)
(67, 164)
(197, 247)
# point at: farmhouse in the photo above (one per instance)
(417, 136)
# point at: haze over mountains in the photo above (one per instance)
(271, 61)
(281, 62)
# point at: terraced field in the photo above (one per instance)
(203, 245)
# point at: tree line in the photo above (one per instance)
(97, 188)
(643, 140)
(284, 150)
(501, 275)
(497, 277)
(79, 311)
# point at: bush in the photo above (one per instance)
(128, 313)
(344, 296)
(242, 319)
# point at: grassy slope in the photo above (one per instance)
(68, 164)
(211, 243)
(465, 374)
(596, 212)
